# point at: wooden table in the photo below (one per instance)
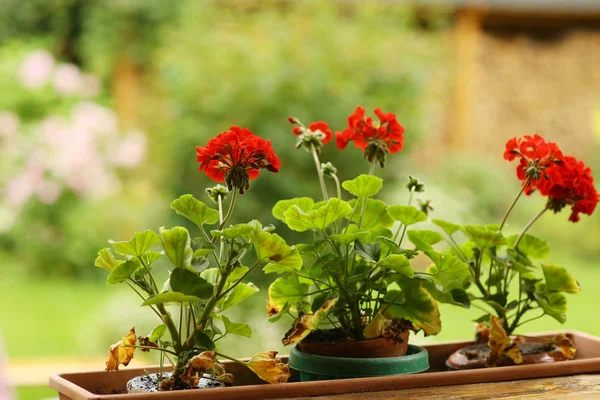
(568, 387)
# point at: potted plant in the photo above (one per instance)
(206, 276)
(510, 278)
(356, 296)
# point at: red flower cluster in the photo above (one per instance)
(314, 127)
(236, 157)
(375, 138)
(564, 179)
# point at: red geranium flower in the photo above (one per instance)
(535, 156)
(569, 183)
(313, 127)
(236, 157)
(375, 138)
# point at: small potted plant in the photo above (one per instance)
(510, 279)
(356, 296)
(206, 277)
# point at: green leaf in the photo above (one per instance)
(304, 203)
(157, 333)
(238, 294)
(106, 260)
(177, 247)
(369, 251)
(319, 219)
(170, 297)
(483, 237)
(553, 304)
(375, 216)
(235, 231)
(363, 185)
(150, 257)
(424, 239)
(202, 340)
(347, 238)
(138, 245)
(202, 247)
(398, 263)
(273, 249)
(236, 328)
(288, 290)
(558, 279)
(457, 297)
(189, 283)
(419, 307)
(531, 246)
(122, 272)
(448, 270)
(195, 210)
(408, 215)
(447, 227)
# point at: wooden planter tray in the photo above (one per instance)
(100, 385)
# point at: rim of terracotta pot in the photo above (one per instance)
(372, 348)
(416, 360)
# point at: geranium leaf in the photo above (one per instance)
(150, 257)
(138, 245)
(531, 246)
(272, 249)
(484, 237)
(235, 231)
(398, 263)
(424, 239)
(408, 215)
(202, 247)
(177, 247)
(375, 215)
(347, 238)
(369, 251)
(457, 297)
(290, 290)
(106, 260)
(189, 283)
(304, 203)
(306, 323)
(558, 279)
(448, 270)
(195, 210)
(419, 307)
(170, 297)
(447, 227)
(236, 328)
(122, 351)
(202, 340)
(157, 333)
(319, 219)
(554, 304)
(122, 272)
(237, 294)
(363, 185)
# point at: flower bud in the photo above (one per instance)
(425, 206)
(217, 191)
(328, 169)
(415, 184)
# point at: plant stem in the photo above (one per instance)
(313, 150)
(513, 204)
(228, 215)
(222, 246)
(364, 204)
(149, 348)
(338, 187)
(529, 224)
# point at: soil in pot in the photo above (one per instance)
(533, 350)
(149, 383)
(334, 344)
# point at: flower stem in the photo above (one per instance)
(222, 246)
(364, 204)
(313, 151)
(513, 204)
(337, 186)
(529, 224)
(228, 215)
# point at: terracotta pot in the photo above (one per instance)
(101, 385)
(533, 350)
(373, 348)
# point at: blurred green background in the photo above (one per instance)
(103, 102)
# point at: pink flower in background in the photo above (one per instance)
(36, 69)
(48, 192)
(92, 116)
(18, 190)
(90, 85)
(131, 150)
(68, 79)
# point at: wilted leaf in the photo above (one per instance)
(306, 323)
(419, 307)
(501, 345)
(289, 289)
(304, 203)
(363, 185)
(195, 210)
(269, 368)
(408, 215)
(119, 353)
(565, 345)
(381, 326)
